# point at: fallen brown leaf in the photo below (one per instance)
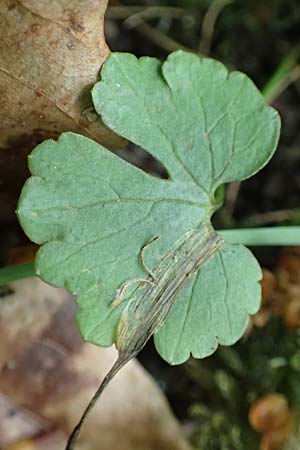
(46, 368)
(50, 55)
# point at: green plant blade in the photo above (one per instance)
(93, 212)
(263, 236)
(16, 272)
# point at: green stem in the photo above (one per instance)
(284, 75)
(263, 236)
(17, 272)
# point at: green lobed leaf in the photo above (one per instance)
(205, 125)
(95, 211)
(92, 212)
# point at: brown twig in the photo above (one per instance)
(136, 16)
(157, 37)
(208, 24)
(271, 217)
(231, 196)
(152, 12)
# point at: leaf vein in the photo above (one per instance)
(225, 301)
